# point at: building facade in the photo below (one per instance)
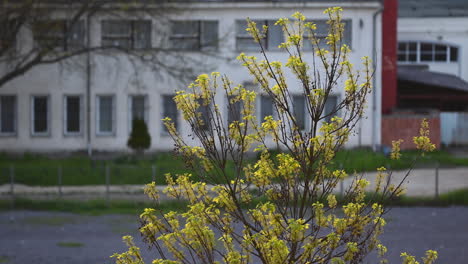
(432, 73)
(434, 33)
(65, 107)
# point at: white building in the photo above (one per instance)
(434, 33)
(55, 108)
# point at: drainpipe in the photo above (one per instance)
(374, 80)
(88, 87)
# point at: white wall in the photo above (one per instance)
(449, 30)
(116, 77)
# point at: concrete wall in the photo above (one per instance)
(115, 75)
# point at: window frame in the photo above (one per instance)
(130, 109)
(131, 36)
(407, 52)
(47, 133)
(66, 132)
(64, 42)
(205, 109)
(306, 119)
(265, 41)
(15, 117)
(164, 98)
(113, 117)
(238, 106)
(13, 29)
(324, 113)
(274, 114)
(198, 36)
(348, 29)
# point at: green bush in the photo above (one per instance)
(139, 139)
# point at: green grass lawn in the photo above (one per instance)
(39, 170)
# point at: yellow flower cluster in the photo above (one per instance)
(423, 142)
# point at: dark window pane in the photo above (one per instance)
(412, 57)
(241, 26)
(170, 110)
(234, 110)
(8, 114)
(9, 28)
(75, 35)
(185, 28)
(401, 56)
(138, 107)
(441, 48)
(185, 35)
(440, 53)
(426, 47)
(73, 114)
(322, 28)
(266, 107)
(321, 32)
(205, 112)
(453, 54)
(117, 33)
(247, 44)
(105, 114)
(50, 34)
(427, 56)
(299, 111)
(275, 36)
(441, 57)
(412, 46)
(142, 34)
(330, 107)
(116, 28)
(402, 47)
(40, 114)
(348, 32)
(209, 36)
(427, 52)
(244, 41)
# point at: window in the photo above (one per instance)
(105, 115)
(205, 112)
(9, 29)
(414, 52)
(299, 107)
(138, 109)
(59, 34)
(245, 42)
(407, 51)
(8, 115)
(170, 110)
(234, 110)
(266, 107)
(127, 34)
(40, 115)
(322, 32)
(330, 107)
(73, 115)
(194, 35)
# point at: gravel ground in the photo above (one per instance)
(53, 238)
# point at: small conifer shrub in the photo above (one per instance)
(139, 139)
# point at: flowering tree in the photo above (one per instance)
(297, 218)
